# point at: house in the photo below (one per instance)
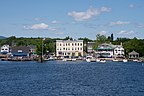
(109, 50)
(20, 51)
(104, 50)
(32, 49)
(118, 51)
(5, 49)
(90, 47)
(133, 55)
(69, 48)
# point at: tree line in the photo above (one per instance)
(49, 44)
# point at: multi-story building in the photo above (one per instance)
(90, 46)
(5, 49)
(110, 50)
(69, 48)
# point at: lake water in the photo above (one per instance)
(57, 78)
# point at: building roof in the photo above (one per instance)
(108, 46)
(133, 53)
(90, 43)
(24, 49)
(69, 40)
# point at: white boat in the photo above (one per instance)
(135, 60)
(115, 60)
(90, 59)
(73, 59)
(125, 60)
(102, 61)
(64, 59)
(97, 60)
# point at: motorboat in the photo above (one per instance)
(90, 59)
(97, 60)
(102, 60)
(125, 60)
(115, 60)
(135, 60)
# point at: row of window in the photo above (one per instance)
(4, 49)
(71, 49)
(72, 44)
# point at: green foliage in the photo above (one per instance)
(50, 45)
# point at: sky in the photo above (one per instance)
(74, 18)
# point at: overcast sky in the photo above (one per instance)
(74, 18)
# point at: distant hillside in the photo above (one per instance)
(2, 37)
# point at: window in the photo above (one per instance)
(19, 51)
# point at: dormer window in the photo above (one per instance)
(19, 51)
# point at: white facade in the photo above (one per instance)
(119, 51)
(5, 49)
(69, 47)
(110, 50)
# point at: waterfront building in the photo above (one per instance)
(20, 51)
(118, 51)
(109, 50)
(69, 48)
(133, 55)
(5, 49)
(90, 46)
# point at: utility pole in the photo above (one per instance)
(41, 51)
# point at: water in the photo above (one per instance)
(57, 78)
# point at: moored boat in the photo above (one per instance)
(125, 60)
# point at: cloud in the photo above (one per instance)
(124, 32)
(39, 26)
(59, 33)
(119, 23)
(140, 25)
(103, 32)
(39, 19)
(88, 14)
(55, 22)
(131, 6)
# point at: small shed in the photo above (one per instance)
(133, 55)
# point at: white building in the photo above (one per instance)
(69, 48)
(5, 49)
(110, 50)
(118, 51)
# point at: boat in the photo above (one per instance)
(90, 59)
(115, 60)
(102, 60)
(125, 60)
(97, 60)
(73, 59)
(67, 59)
(135, 60)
